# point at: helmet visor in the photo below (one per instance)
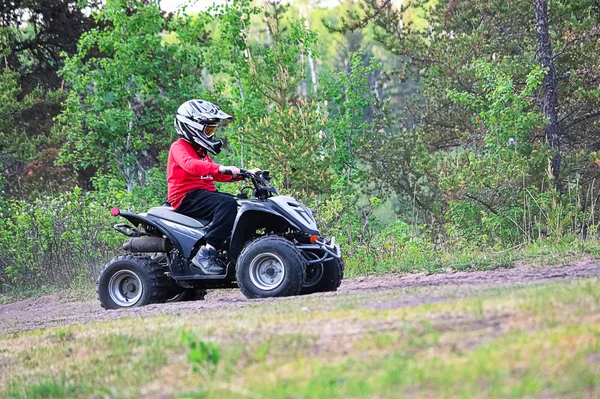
(210, 130)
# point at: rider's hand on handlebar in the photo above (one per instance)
(255, 170)
(229, 170)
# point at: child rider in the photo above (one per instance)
(191, 174)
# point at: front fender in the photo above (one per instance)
(251, 217)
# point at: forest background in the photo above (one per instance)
(427, 135)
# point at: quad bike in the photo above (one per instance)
(274, 250)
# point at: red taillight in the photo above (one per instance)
(115, 212)
(314, 239)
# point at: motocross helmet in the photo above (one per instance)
(197, 122)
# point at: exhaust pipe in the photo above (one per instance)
(148, 244)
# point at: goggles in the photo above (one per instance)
(210, 130)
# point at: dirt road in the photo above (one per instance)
(52, 311)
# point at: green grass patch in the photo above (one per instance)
(518, 365)
(422, 257)
(47, 390)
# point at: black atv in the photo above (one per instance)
(275, 250)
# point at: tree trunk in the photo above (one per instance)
(311, 61)
(550, 85)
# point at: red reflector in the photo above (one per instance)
(115, 211)
(314, 239)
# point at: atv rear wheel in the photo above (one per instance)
(131, 281)
(323, 277)
(270, 267)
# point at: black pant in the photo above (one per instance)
(218, 207)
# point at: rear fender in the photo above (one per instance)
(183, 238)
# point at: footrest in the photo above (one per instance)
(201, 277)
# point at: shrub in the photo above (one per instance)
(55, 240)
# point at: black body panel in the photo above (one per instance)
(137, 220)
(187, 237)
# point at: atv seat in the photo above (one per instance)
(168, 213)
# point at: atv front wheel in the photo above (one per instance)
(270, 267)
(323, 277)
(131, 281)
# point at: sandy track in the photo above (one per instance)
(51, 311)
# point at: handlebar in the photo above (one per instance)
(260, 180)
(243, 172)
(249, 175)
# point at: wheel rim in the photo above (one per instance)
(125, 288)
(267, 271)
(314, 273)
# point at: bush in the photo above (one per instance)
(56, 240)
(396, 248)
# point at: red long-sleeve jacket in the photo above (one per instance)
(189, 170)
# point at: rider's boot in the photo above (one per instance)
(206, 261)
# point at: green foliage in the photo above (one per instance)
(26, 150)
(348, 98)
(335, 217)
(46, 390)
(396, 248)
(32, 36)
(436, 130)
(484, 184)
(9, 87)
(61, 239)
(118, 115)
(204, 356)
(288, 143)
(280, 127)
(506, 115)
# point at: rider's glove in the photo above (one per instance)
(229, 170)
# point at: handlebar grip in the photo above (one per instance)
(245, 174)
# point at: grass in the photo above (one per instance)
(14, 294)
(536, 341)
(79, 289)
(544, 252)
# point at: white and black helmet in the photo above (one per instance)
(197, 121)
